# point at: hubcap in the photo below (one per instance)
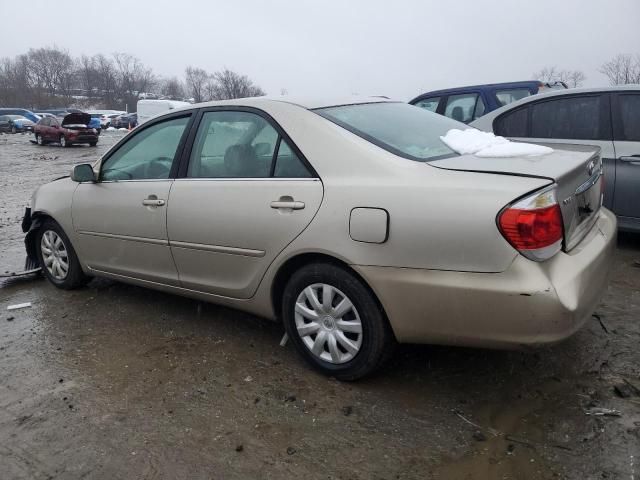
(54, 255)
(328, 323)
(63, 141)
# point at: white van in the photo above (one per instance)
(150, 108)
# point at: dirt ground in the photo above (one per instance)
(118, 382)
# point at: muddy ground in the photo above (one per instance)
(118, 382)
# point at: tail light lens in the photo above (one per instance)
(533, 225)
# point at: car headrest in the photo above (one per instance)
(457, 114)
(240, 161)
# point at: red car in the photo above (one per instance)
(71, 130)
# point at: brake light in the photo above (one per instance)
(534, 225)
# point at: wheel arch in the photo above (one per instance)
(298, 261)
(37, 220)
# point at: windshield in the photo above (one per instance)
(405, 130)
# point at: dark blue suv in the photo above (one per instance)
(465, 104)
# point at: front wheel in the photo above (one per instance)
(57, 257)
(39, 140)
(335, 322)
(64, 142)
(13, 130)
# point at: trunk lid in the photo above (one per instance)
(76, 119)
(575, 169)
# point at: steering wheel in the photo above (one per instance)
(158, 167)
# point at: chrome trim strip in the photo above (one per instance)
(245, 252)
(129, 238)
(589, 183)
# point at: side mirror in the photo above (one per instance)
(83, 173)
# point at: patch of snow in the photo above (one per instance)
(122, 129)
(111, 129)
(486, 144)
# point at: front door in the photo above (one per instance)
(247, 193)
(121, 219)
(626, 116)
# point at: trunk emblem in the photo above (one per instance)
(591, 167)
(567, 200)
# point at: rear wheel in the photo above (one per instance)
(64, 142)
(57, 257)
(335, 322)
(39, 140)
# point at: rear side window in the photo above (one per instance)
(235, 144)
(630, 117)
(513, 124)
(465, 107)
(430, 104)
(576, 118)
(507, 96)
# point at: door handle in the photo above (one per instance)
(634, 159)
(153, 202)
(292, 204)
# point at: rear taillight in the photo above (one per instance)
(533, 225)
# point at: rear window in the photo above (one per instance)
(402, 129)
(630, 116)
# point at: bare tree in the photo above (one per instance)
(572, 78)
(172, 88)
(622, 69)
(229, 84)
(196, 80)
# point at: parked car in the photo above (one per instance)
(72, 129)
(128, 120)
(147, 109)
(351, 221)
(607, 117)
(20, 111)
(465, 104)
(45, 114)
(15, 124)
(105, 116)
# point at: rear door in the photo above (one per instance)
(244, 194)
(626, 115)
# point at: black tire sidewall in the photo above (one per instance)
(377, 337)
(75, 276)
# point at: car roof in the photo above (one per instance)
(309, 103)
(505, 85)
(550, 94)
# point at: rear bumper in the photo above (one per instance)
(528, 304)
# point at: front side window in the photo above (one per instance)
(234, 144)
(463, 107)
(630, 117)
(430, 104)
(576, 118)
(510, 95)
(399, 128)
(149, 154)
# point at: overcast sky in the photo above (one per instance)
(398, 48)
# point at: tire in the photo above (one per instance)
(48, 236)
(343, 352)
(13, 130)
(39, 140)
(93, 144)
(63, 142)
